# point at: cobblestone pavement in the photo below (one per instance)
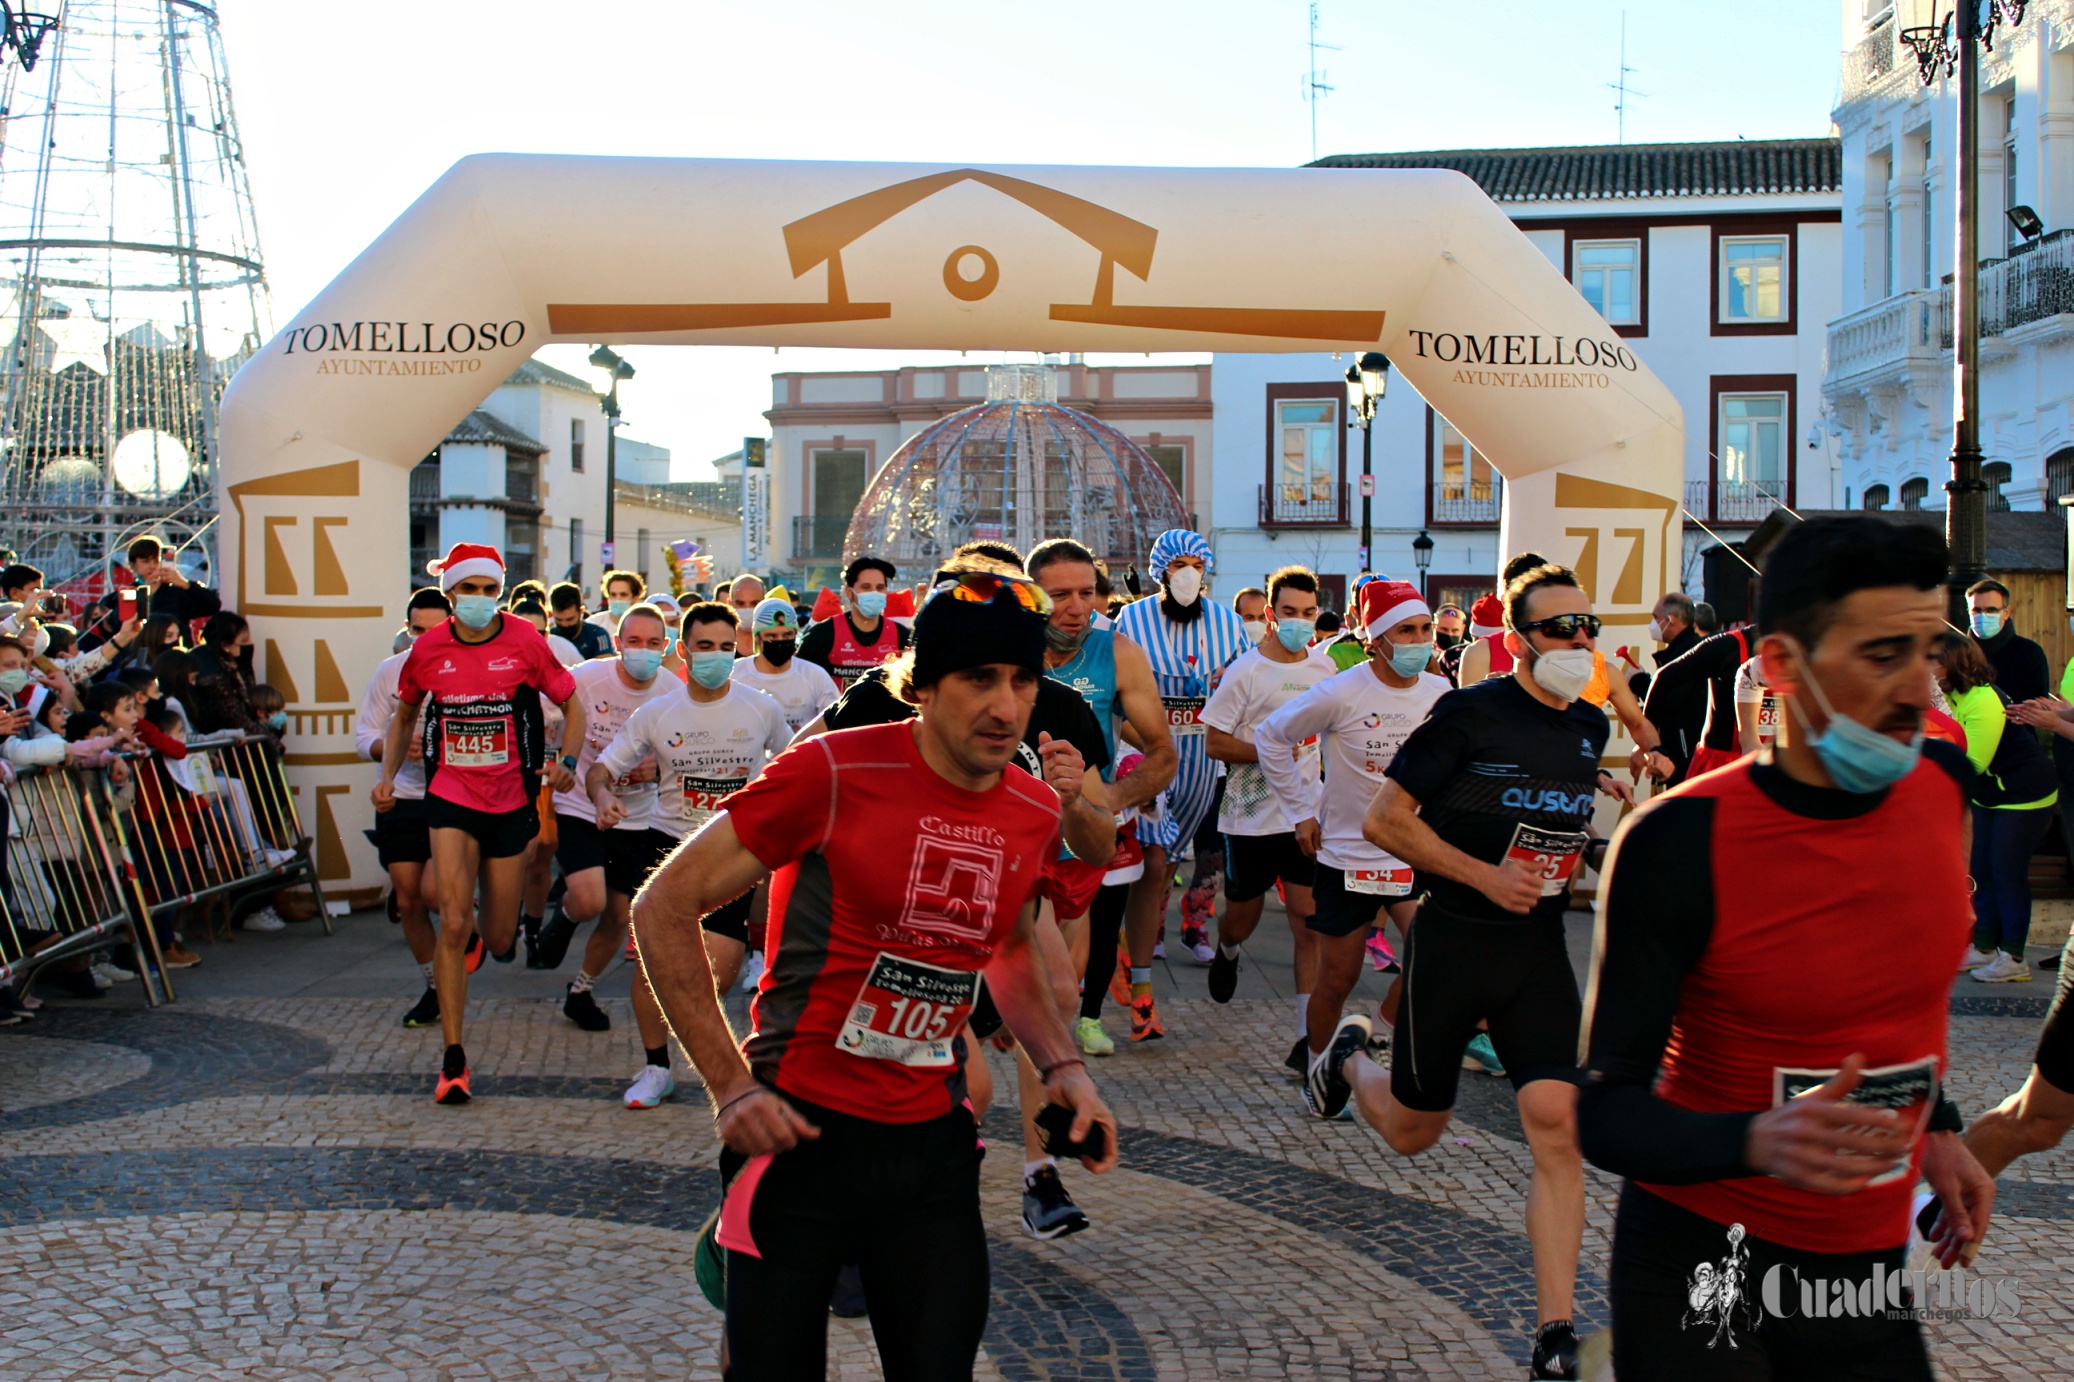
(254, 1184)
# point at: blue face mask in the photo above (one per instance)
(1857, 759)
(641, 663)
(711, 670)
(671, 646)
(1410, 659)
(475, 611)
(1295, 634)
(1987, 623)
(619, 607)
(278, 722)
(871, 603)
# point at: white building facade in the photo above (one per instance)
(1889, 379)
(1717, 263)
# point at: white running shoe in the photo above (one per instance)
(653, 1085)
(2004, 969)
(265, 919)
(1975, 957)
(278, 858)
(108, 974)
(752, 971)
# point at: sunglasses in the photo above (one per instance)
(1564, 625)
(985, 587)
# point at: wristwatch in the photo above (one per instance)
(569, 761)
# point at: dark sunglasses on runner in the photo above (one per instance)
(1564, 625)
(985, 587)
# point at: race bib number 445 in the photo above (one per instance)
(1553, 854)
(476, 743)
(909, 1012)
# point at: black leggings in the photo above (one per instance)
(899, 1200)
(1104, 926)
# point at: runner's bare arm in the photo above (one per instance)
(1229, 748)
(1089, 828)
(559, 777)
(393, 751)
(1393, 824)
(1475, 664)
(1022, 992)
(816, 726)
(1138, 694)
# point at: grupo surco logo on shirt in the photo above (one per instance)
(1510, 361)
(401, 347)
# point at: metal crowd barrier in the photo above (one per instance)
(90, 859)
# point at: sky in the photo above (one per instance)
(349, 112)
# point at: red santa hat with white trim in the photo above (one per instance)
(465, 559)
(1385, 604)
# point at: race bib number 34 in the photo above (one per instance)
(1553, 854)
(1380, 882)
(1184, 714)
(909, 1012)
(476, 743)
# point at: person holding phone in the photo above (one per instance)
(165, 589)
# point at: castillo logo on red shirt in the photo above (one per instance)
(953, 880)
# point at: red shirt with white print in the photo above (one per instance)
(484, 744)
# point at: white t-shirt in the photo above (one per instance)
(1360, 724)
(377, 710)
(1253, 687)
(1752, 689)
(702, 751)
(608, 703)
(800, 688)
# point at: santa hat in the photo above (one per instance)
(900, 604)
(1385, 604)
(826, 605)
(465, 559)
(1486, 617)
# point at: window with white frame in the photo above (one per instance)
(1929, 227)
(1753, 279)
(1306, 456)
(1752, 430)
(1609, 274)
(2011, 236)
(1465, 484)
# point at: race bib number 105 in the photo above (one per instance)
(909, 1012)
(1553, 854)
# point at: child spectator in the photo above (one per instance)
(271, 708)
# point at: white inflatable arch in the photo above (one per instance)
(507, 253)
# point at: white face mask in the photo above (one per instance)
(1185, 585)
(1564, 672)
(1656, 631)
(1256, 630)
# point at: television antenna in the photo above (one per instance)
(1620, 88)
(1314, 86)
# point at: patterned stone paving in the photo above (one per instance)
(257, 1186)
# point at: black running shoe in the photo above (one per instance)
(555, 934)
(426, 1013)
(582, 1009)
(846, 1301)
(510, 953)
(529, 932)
(1048, 1211)
(1298, 1062)
(1224, 976)
(1325, 1089)
(1555, 1351)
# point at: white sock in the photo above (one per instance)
(1031, 1168)
(1303, 1014)
(583, 981)
(1141, 975)
(1229, 952)
(426, 970)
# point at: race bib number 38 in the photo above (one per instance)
(476, 743)
(1910, 1087)
(1184, 714)
(1553, 854)
(702, 797)
(909, 1012)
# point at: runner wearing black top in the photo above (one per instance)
(1765, 1064)
(1714, 662)
(1489, 801)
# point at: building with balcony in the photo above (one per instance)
(1888, 387)
(1716, 261)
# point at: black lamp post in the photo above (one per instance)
(1952, 46)
(1366, 380)
(1422, 556)
(23, 32)
(607, 359)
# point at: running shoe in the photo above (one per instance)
(1120, 982)
(653, 1085)
(278, 858)
(1975, 957)
(529, 933)
(1048, 1211)
(2006, 969)
(1555, 1351)
(752, 971)
(112, 973)
(1224, 974)
(1196, 941)
(1298, 1062)
(1379, 952)
(1092, 1040)
(510, 952)
(1481, 1055)
(1159, 947)
(846, 1301)
(582, 1009)
(265, 919)
(426, 1013)
(178, 956)
(555, 934)
(1145, 1023)
(453, 1078)
(1325, 1087)
(473, 955)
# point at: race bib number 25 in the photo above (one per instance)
(1553, 854)
(909, 1012)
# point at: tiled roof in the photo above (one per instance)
(534, 372)
(2018, 540)
(1731, 168)
(480, 426)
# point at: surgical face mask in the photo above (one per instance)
(641, 663)
(278, 721)
(1987, 623)
(619, 608)
(1256, 630)
(1564, 672)
(1185, 585)
(871, 603)
(475, 611)
(1858, 759)
(1295, 634)
(1059, 641)
(1656, 631)
(779, 651)
(13, 681)
(1410, 659)
(671, 645)
(711, 670)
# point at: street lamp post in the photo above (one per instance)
(1422, 557)
(1367, 378)
(616, 369)
(1955, 46)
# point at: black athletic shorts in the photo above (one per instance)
(2055, 1058)
(1339, 912)
(1659, 1249)
(1459, 971)
(500, 834)
(627, 856)
(400, 833)
(901, 1200)
(732, 920)
(1252, 863)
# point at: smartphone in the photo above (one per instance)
(1056, 1125)
(125, 606)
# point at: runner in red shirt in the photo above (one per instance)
(478, 679)
(904, 861)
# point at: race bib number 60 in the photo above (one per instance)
(1553, 854)
(909, 1012)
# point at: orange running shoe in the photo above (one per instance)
(1145, 1023)
(476, 950)
(1120, 982)
(451, 1089)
